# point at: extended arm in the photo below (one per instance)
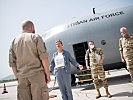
(73, 61)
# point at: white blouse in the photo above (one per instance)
(59, 60)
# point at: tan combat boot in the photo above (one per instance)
(107, 93)
(98, 94)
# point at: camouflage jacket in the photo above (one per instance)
(93, 56)
(126, 45)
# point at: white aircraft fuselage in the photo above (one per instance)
(101, 28)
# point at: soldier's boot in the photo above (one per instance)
(107, 93)
(98, 94)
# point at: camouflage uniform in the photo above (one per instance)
(96, 69)
(126, 46)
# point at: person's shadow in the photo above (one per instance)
(123, 79)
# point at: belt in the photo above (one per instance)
(62, 67)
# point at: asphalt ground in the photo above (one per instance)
(119, 82)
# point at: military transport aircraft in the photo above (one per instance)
(102, 28)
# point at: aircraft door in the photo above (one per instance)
(79, 52)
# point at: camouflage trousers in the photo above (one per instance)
(131, 73)
(129, 63)
(98, 71)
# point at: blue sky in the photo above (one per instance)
(45, 14)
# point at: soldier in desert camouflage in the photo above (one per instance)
(96, 57)
(126, 49)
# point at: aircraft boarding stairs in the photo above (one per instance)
(83, 76)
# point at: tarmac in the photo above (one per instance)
(119, 82)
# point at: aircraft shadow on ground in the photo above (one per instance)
(112, 81)
(119, 80)
(128, 94)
